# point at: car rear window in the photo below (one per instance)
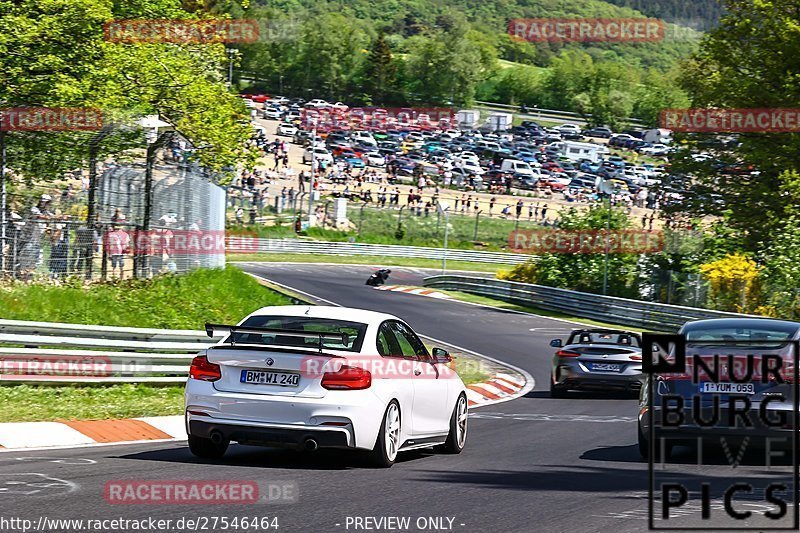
(747, 335)
(354, 330)
(594, 337)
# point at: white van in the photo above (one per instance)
(516, 167)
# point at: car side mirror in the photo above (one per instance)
(556, 343)
(440, 355)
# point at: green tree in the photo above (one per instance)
(446, 66)
(54, 53)
(584, 272)
(749, 61)
(380, 71)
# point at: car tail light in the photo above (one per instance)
(347, 378)
(567, 353)
(203, 370)
(635, 357)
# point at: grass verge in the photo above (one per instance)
(36, 403)
(180, 302)
(173, 302)
(367, 260)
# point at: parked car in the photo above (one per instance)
(272, 113)
(374, 159)
(597, 359)
(600, 132)
(351, 160)
(570, 131)
(317, 103)
(619, 139)
(655, 150)
(313, 377)
(286, 129)
(320, 154)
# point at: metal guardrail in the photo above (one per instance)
(535, 113)
(300, 246)
(631, 313)
(42, 352)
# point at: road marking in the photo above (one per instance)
(540, 417)
(63, 461)
(419, 291)
(304, 293)
(30, 483)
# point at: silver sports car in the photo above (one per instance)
(597, 359)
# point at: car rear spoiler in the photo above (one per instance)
(229, 332)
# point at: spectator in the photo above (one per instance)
(59, 252)
(117, 245)
(30, 254)
(519, 208)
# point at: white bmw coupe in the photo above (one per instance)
(317, 376)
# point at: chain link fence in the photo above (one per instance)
(183, 227)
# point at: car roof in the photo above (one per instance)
(733, 322)
(326, 311)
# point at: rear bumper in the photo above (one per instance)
(272, 435)
(573, 376)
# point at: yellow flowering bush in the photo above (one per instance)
(525, 272)
(734, 282)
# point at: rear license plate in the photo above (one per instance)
(727, 388)
(605, 367)
(262, 377)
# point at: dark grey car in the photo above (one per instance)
(597, 359)
(731, 341)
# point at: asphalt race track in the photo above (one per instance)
(534, 464)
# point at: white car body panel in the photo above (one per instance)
(426, 400)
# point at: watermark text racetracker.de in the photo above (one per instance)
(181, 242)
(616, 30)
(260, 522)
(718, 120)
(51, 367)
(182, 31)
(369, 118)
(389, 367)
(50, 119)
(586, 241)
(199, 492)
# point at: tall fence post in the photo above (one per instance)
(400, 219)
(361, 218)
(477, 217)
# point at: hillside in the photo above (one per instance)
(407, 18)
(698, 14)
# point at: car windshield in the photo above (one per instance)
(355, 332)
(604, 337)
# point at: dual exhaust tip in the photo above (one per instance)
(309, 444)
